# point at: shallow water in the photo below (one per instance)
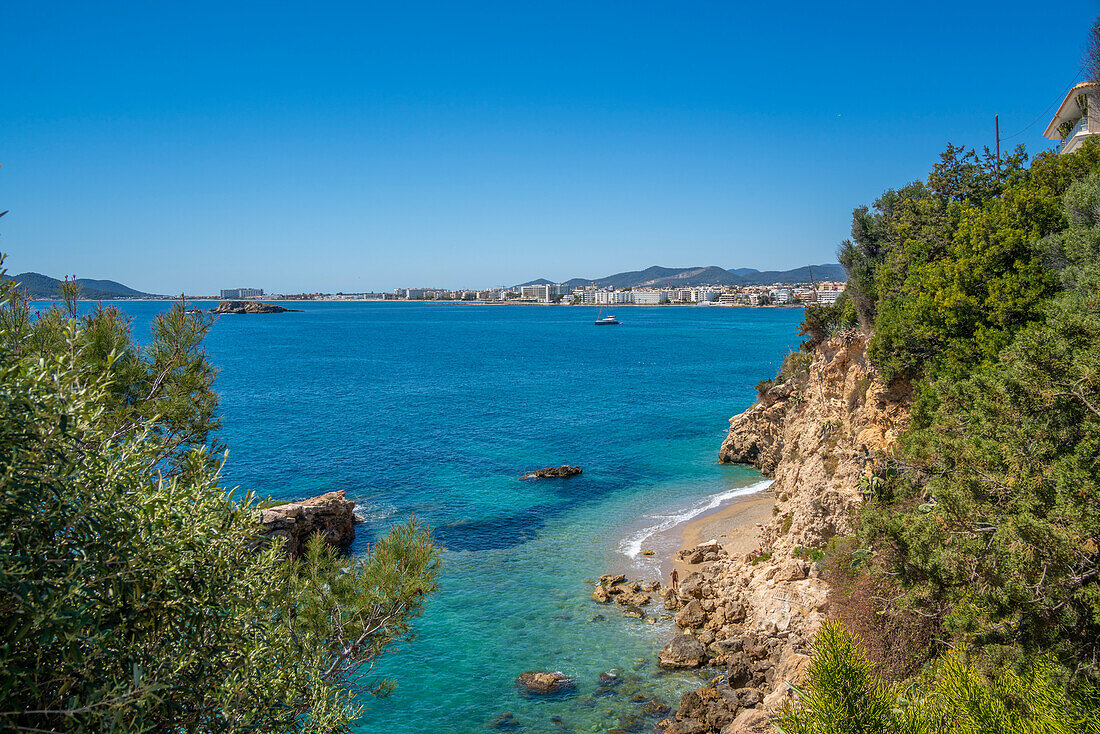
(437, 409)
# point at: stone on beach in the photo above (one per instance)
(683, 652)
(691, 616)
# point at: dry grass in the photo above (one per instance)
(898, 641)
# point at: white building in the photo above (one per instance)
(706, 295)
(1077, 118)
(650, 298)
(229, 293)
(541, 293)
(828, 297)
(609, 297)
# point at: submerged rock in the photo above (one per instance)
(543, 683)
(504, 722)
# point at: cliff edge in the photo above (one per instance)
(817, 434)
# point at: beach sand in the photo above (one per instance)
(735, 526)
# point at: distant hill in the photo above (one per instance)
(713, 275)
(831, 271)
(38, 286)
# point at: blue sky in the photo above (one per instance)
(356, 146)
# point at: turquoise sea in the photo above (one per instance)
(436, 410)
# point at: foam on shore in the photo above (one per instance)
(632, 547)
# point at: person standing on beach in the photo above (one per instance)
(675, 578)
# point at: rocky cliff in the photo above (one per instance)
(331, 515)
(817, 434)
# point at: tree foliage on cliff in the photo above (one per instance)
(981, 287)
(1003, 540)
(133, 596)
(844, 694)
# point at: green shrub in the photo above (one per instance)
(795, 363)
(843, 694)
(132, 596)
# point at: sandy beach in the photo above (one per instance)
(735, 526)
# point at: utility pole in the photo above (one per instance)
(997, 132)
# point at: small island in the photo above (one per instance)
(553, 472)
(249, 307)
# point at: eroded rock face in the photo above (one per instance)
(749, 721)
(243, 307)
(331, 515)
(683, 652)
(542, 683)
(817, 435)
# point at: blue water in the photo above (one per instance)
(436, 410)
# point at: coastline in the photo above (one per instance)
(738, 527)
(650, 544)
(208, 299)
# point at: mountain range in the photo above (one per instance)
(38, 286)
(713, 275)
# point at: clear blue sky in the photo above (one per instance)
(355, 146)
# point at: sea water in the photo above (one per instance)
(436, 410)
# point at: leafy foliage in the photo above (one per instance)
(132, 593)
(996, 524)
(822, 322)
(843, 695)
(981, 288)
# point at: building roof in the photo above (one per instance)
(1068, 110)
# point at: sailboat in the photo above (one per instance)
(608, 320)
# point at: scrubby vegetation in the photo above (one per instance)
(132, 593)
(980, 287)
(844, 693)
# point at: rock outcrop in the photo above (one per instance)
(541, 684)
(235, 307)
(683, 652)
(331, 515)
(631, 596)
(818, 434)
(554, 472)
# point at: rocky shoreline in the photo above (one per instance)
(750, 617)
(249, 307)
(331, 515)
